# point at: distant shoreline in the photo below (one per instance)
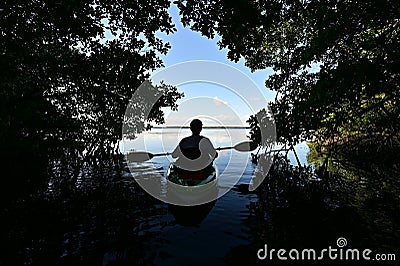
(205, 127)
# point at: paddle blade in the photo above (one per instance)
(139, 156)
(246, 146)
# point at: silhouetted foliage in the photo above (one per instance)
(336, 62)
(79, 230)
(64, 87)
(299, 207)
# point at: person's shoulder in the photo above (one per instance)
(184, 139)
(205, 139)
(189, 139)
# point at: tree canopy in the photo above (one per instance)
(64, 87)
(336, 62)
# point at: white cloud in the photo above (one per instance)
(255, 99)
(219, 102)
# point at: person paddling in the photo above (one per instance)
(195, 153)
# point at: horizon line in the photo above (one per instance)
(205, 127)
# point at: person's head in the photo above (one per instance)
(196, 126)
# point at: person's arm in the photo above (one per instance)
(216, 153)
(209, 148)
(177, 152)
(214, 150)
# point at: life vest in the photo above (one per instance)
(191, 149)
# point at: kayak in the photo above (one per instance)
(192, 188)
(192, 180)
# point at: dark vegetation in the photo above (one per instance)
(64, 91)
(336, 62)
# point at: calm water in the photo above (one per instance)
(227, 226)
(118, 223)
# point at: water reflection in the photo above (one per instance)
(206, 233)
(118, 223)
(191, 215)
(293, 208)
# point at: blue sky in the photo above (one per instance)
(188, 45)
(217, 103)
(204, 99)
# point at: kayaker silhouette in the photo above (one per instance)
(195, 153)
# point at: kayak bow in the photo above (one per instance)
(192, 179)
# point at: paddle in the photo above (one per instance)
(242, 146)
(142, 156)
